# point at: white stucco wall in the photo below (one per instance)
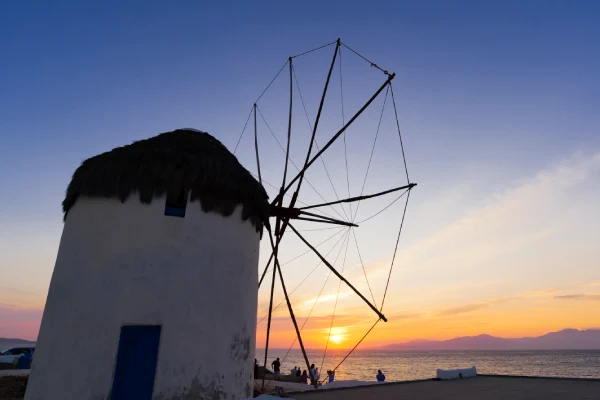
(129, 264)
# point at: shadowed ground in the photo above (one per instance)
(481, 387)
(12, 387)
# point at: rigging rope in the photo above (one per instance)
(347, 237)
(363, 267)
(354, 234)
(308, 251)
(385, 208)
(311, 272)
(359, 342)
(256, 147)
(317, 229)
(289, 304)
(395, 250)
(270, 259)
(343, 123)
(316, 301)
(372, 151)
(275, 249)
(315, 49)
(353, 213)
(310, 161)
(295, 166)
(367, 60)
(290, 196)
(243, 130)
(389, 205)
(341, 229)
(270, 83)
(335, 305)
(314, 304)
(399, 134)
(289, 135)
(317, 145)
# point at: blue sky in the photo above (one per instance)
(491, 96)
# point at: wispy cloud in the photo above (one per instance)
(547, 293)
(396, 317)
(471, 307)
(462, 309)
(325, 298)
(491, 230)
(595, 297)
(542, 292)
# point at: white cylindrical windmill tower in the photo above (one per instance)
(154, 291)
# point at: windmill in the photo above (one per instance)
(286, 207)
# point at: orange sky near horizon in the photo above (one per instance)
(475, 274)
(532, 314)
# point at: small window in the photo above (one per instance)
(175, 204)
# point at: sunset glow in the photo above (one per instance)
(337, 336)
(337, 339)
(498, 109)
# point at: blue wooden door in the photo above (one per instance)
(136, 363)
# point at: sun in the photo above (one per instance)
(336, 335)
(337, 339)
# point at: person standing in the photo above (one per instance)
(293, 372)
(276, 368)
(331, 375)
(380, 376)
(304, 377)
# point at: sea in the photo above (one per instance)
(403, 365)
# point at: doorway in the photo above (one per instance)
(136, 363)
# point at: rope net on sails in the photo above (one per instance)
(324, 140)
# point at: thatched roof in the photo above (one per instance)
(182, 159)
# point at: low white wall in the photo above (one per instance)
(128, 264)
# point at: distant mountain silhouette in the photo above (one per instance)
(10, 342)
(567, 339)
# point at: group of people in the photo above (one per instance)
(304, 378)
(304, 374)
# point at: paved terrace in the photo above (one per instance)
(486, 387)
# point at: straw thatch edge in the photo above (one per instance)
(184, 159)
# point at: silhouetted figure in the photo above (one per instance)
(331, 375)
(276, 368)
(298, 372)
(304, 377)
(255, 368)
(313, 372)
(380, 376)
